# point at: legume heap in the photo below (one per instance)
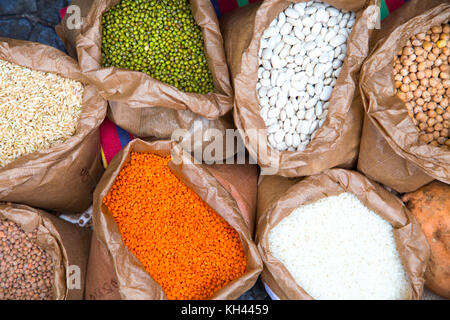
(421, 74)
(181, 242)
(160, 38)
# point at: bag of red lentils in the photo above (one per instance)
(392, 150)
(240, 180)
(113, 229)
(140, 104)
(280, 198)
(336, 143)
(62, 177)
(66, 248)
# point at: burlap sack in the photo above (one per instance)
(278, 197)
(391, 152)
(133, 281)
(337, 142)
(140, 104)
(67, 244)
(61, 178)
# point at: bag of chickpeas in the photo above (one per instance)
(42, 257)
(171, 229)
(49, 118)
(295, 68)
(338, 235)
(161, 67)
(406, 87)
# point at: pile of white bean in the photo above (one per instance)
(301, 55)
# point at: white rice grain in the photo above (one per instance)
(336, 248)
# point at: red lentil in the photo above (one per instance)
(181, 242)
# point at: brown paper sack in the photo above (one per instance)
(391, 151)
(278, 197)
(337, 141)
(101, 279)
(140, 104)
(240, 180)
(133, 281)
(67, 244)
(61, 178)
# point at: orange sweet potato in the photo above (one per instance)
(431, 206)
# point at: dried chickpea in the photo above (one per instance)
(432, 114)
(407, 51)
(446, 28)
(437, 98)
(438, 127)
(422, 71)
(406, 80)
(416, 109)
(420, 36)
(435, 73)
(436, 29)
(427, 45)
(404, 72)
(441, 43)
(431, 105)
(421, 66)
(434, 37)
(421, 117)
(420, 59)
(441, 140)
(420, 75)
(404, 87)
(409, 96)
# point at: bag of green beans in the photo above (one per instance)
(161, 65)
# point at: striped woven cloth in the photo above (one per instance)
(113, 138)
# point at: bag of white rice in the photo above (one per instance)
(338, 235)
